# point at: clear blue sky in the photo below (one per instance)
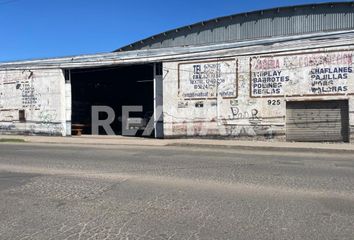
(53, 28)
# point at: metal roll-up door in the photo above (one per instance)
(317, 121)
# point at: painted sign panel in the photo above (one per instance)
(328, 73)
(208, 80)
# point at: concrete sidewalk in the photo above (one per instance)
(209, 143)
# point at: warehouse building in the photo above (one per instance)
(284, 73)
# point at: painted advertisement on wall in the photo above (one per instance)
(329, 73)
(208, 80)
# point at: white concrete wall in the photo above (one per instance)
(41, 94)
(239, 105)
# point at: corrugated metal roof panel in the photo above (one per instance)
(277, 22)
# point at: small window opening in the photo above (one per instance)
(67, 75)
(22, 115)
(158, 69)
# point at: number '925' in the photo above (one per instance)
(274, 102)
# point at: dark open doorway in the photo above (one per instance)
(114, 87)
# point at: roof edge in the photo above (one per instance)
(190, 26)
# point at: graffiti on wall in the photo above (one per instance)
(203, 128)
(208, 79)
(250, 115)
(29, 102)
(304, 74)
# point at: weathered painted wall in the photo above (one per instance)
(40, 94)
(245, 96)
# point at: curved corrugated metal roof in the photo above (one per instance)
(276, 22)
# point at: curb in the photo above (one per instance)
(266, 148)
(325, 149)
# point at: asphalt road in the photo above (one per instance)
(96, 192)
